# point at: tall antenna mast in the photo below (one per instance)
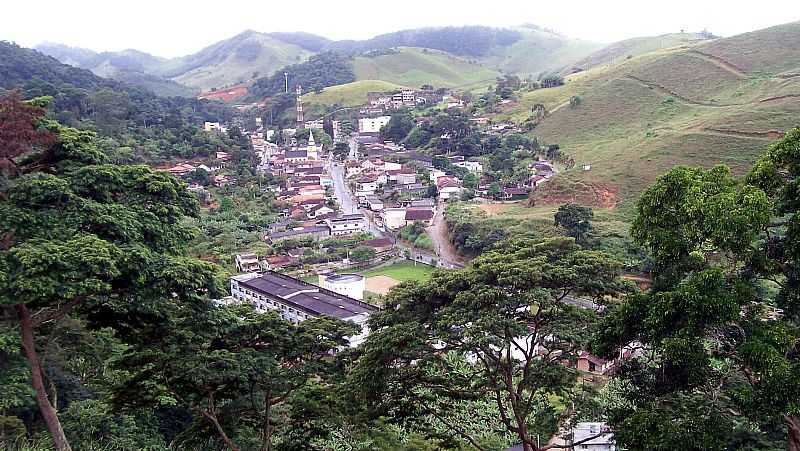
(300, 119)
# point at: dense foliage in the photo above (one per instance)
(720, 327)
(471, 41)
(148, 126)
(318, 72)
(500, 330)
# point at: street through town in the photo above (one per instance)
(444, 250)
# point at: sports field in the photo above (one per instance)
(382, 280)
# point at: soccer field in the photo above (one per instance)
(402, 271)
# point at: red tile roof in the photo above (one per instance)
(422, 214)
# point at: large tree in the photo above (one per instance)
(720, 326)
(85, 238)
(576, 219)
(231, 367)
(513, 315)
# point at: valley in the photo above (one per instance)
(451, 238)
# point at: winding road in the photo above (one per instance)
(445, 251)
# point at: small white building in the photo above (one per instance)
(602, 442)
(248, 263)
(472, 166)
(394, 218)
(372, 124)
(350, 285)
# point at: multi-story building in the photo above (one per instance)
(297, 301)
(372, 124)
(347, 224)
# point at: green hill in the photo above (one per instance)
(720, 101)
(415, 67)
(350, 94)
(537, 51)
(129, 66)
(629, 48)
(241, 58)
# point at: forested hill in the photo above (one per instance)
(134, 121)
(129, 66)
(320, 71)
(474, 41)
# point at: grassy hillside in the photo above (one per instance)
(414, 67)
(241, 58)
(634, 47)
(538, 51)
(350, 94)
(720, 101)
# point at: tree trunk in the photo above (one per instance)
(48, 412)
(793, 424)
(266, 433)
(213, 419)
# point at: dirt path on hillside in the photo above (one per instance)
(733, 133)
(441, 240)
(719, 62)
(776, 98)
(663, 90)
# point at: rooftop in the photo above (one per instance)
(307, 297)
(301, 231)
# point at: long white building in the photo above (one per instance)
(297, 301)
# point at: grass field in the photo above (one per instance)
(402, 271)
(415, 67)
(679, 106)
(350, 94)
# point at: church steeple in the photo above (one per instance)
(311, 142)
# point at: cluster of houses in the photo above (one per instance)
(186, 169)
(380, 102)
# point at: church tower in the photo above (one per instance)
(301, 123)
(311, 148)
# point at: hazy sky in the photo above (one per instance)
(173, 28)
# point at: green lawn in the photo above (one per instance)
(349, 94)
(402, 271)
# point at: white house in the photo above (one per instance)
(435, 174)
(449, 187)
(372, 124)
(586, 436)
(472, 166)
(367, 184)
(247, 263)
(347, 224)
(394, 218)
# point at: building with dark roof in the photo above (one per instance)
(297, 301)
(419, 214)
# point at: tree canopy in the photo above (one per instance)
(720, 327)
(502, 329)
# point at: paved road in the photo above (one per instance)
(346, 200)
(343, 195)
(446, 253)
